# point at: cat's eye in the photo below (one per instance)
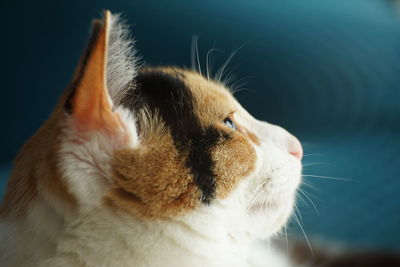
(228, 122)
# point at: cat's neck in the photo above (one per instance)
(102, 237)
(156, 243)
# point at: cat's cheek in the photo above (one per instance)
(234, 160)
(152, 182)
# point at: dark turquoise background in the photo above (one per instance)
(328, 71)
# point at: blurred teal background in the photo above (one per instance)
(328, 71)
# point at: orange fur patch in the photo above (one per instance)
(234, 160)
(248, 134)
(35, 171)
(152, 181)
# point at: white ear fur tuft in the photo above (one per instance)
(123, 61)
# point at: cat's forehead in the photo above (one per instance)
(208, 99)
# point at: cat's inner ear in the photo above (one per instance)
(90, 103)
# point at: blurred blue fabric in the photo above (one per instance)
(328, 71)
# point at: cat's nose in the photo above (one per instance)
(294, 147)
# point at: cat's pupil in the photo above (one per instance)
(228, 122)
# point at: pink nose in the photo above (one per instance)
(294, 147)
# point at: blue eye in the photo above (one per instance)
(228, 122)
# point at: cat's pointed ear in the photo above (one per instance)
(90, 102)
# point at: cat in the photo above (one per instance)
(148, 166)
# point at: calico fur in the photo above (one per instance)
(136, 167)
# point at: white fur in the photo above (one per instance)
(122, 61)
(85, 163)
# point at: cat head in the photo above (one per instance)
(164, 142)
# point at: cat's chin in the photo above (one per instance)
(273, 205)
(268, 219)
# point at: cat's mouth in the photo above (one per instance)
(262, 206)
(272, 202)
(268, 206)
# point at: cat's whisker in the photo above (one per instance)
(309, 186)
(195, 54)
(244, 80)
(302, 199)
(231, 82)
(229, 75)
(253, 200)
(267, 199)
(264, 198)
(313, 154)
(309, 199)
(304, 233)
(329, 177)
(286, 239)
(316, 163)
(298, 212)
(242, 89)
(313, 196)
(256, 194)
(259, 186)
(208, 61)
(220, 72)
(239, 85)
